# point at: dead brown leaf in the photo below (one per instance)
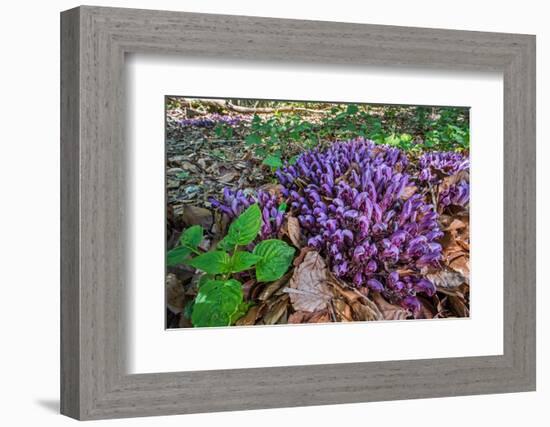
(276, 311)
(273, 189)
(366, 311)
(389, 311)
(175, 294)
(343, 310)
(300, 258)
(448, 181)
(185, 322)
(463, 244)
(461, 265)
(299, 317)
(194, 215)
(456, 224)
(293, 230)
(321, 316)
(228, 177)
(446, 281)
(248, 287)
(408, 192)
(427, 310)
(362, 307)
(273, 287)
(439, 305)
(308, 286)
(250, 317)
(459, 306)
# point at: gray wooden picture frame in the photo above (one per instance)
(94, 382)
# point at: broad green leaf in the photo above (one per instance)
(192, 236)
(352, 109)
(243, 260)
(273, 161)
(276, 258)
(245, 228)
(225, 244)
(253, 139)
(217, 303)
(215, 262)
(177, 255)
(204, 278)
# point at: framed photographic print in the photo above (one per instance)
(355, 202)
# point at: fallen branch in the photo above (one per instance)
(221, 104)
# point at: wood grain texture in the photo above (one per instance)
(70, 314)
(94, 272)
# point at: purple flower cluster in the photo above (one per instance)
(234, 203)
(350, 203)
(212, 120)
(445, 162)
(436, 165)
(348, 157)
(457, 195)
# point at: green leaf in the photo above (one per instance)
(225, 244)
(253, 139)
(192, 236)
(177, 255)
(282, 207)
(241, 311)
(273, 161)
(218, 130)
(188, 309)
(405, 137)
(260, 152)
(243, 260)
(217, 303)
(352, 109)
(391, 140)
(204, 278)
(293, 160)
(276, 258)
(245, 228)
(215, 262)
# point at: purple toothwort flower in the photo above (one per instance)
(233, 203)
(437, 165)
(352, 211)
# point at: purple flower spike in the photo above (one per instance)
(426, 286)
(411, 303)
(375, 285)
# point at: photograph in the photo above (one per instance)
(293, 212)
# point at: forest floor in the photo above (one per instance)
(201, 163)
